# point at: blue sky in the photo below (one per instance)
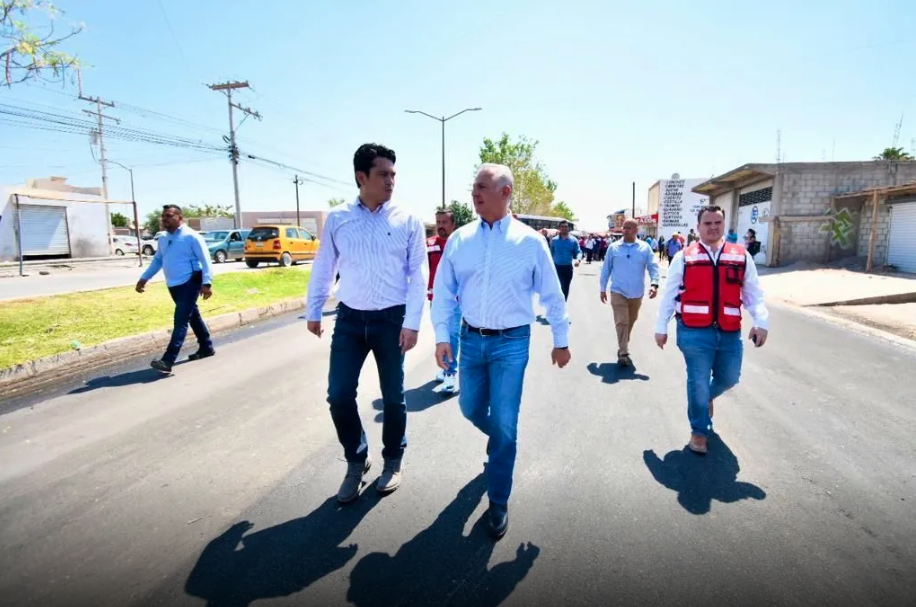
(614, 93)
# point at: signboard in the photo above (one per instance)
(678, 205)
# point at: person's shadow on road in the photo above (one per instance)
(418, 399)
(235, 571)
(699, 480)
(442, 566)
(611, 373)
(141, 376)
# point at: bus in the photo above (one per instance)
(539, 222)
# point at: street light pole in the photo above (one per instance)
(133, 199)
(443, 120)
(298, 182)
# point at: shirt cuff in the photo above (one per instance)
(443, 335)
(662, 327)
(762, 324)
(561, 336)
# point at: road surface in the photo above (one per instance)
(215, 486)
(104, 275)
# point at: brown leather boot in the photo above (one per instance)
(697, 444)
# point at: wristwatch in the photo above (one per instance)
(653, 286)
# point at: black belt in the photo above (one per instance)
(488, 332)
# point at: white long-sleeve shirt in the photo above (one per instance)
(495, 272)
(751, 291)
(381, 257)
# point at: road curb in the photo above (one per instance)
(34, 373)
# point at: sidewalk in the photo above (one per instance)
(882, 301)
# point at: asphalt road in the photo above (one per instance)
(215, 486)
(104, 275)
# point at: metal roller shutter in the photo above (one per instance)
(44, 230)
(901, 250)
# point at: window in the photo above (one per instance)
(291, 233)
(260, 234)
(235, 237)
(755, 197)
(304, 235)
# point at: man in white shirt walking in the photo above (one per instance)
(707, 284)
(379, 249)
(494, 266)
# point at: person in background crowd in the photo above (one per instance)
(662, 248)
(626, 265)
(184, 257)
(435, 246)
(692, 236)
(495, 266)
(380, 249)
(706, 287)
(732, 236)
(750, 241)
(589, 249)
(673, 246)
(602, 248)
(566, 255)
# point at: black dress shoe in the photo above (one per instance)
(202, 354)
(161, 365)
(499, 520)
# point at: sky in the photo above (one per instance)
(613, 92)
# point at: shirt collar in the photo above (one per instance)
(382, 209)
(502, 225)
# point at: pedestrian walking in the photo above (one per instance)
(566, 255)
(672, 247)
(184, 258)
(494, 266)
(706, 286)
(380, 251)
(435, 245)
(625, 267)
(590, 249)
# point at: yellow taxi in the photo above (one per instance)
(280, 244)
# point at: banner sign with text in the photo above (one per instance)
(678, 205)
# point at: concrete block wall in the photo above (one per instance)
(807, 189)
(882, 235)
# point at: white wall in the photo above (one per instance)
(87, 226)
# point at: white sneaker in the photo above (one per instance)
(440, 377)
(450, 385)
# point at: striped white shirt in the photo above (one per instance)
(381, 257)
(495, 272)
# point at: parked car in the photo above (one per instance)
(280, 244)
(226, 244)
(121, 245)
(150, 245)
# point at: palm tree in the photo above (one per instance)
(893, 154)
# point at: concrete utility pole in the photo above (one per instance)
(233, 149)
(297, 182)
(101, 117)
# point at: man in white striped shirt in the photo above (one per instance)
(379, 249)
(494, 266)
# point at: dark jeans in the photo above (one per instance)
(566, 275)
(186, 312)
(356, 333)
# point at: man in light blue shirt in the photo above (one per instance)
(625, 266)
(184, 257)
(566, 254)
(494, 266)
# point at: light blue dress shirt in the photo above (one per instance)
(381, 257)
(565, 250)
(495, 272)
(625, 265)
(179, 254)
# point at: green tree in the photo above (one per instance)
(29, 43)
(462, 212)
(207, 210)
(534, 190)
(893, 154)
(335, 202)
(118, 220)
(560, 209)
(151, 223)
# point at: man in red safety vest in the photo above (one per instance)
(435, 245)
(707, 284)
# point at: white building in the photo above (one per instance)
(56, 221)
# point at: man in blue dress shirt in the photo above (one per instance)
(625, 267)
(566, 254)
(184, 257)
(494, 266)
(380, 251)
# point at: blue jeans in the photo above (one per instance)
(713, 360)
(186, 312)
(356, 333)
(492, 371)
(454, 330)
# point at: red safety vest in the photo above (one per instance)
(710, 293)
(435, 245)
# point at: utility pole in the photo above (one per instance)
(101, 117)
(633, 212)
(297, 182)
(228, 87)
